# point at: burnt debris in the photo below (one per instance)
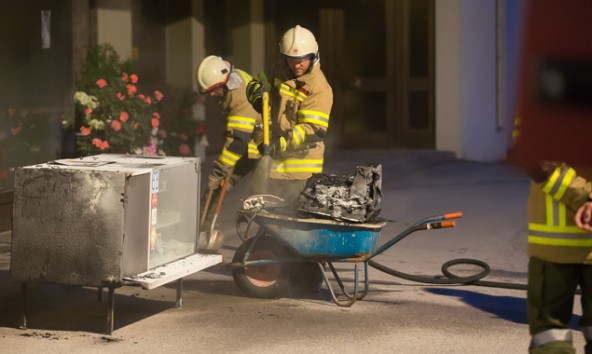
(344, 198)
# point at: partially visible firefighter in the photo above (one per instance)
(217, 78)
(300, 106)
(560, 254)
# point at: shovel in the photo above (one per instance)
(214, 239)
(261, 173)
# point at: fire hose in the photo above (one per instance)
(451, 278)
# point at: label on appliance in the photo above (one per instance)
(154, 200)
(154, 181)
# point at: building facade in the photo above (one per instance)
(410, 74)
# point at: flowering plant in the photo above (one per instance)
(179, 128)
(117, 118)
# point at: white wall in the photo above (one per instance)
(466, 81)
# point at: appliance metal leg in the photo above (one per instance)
(110, 310)
(23, 324)
(179, 302)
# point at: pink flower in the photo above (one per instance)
(152, 147)
(124, 77)
(85, 131)
(123, 116)
(87, 111)
(163, 134)
(183, 137)
(120, 96)
(155, 122)
(184, 149)
(134, 78)
(116, 125)
(148, 100)
(141, 96)
(158, 95)
(131, 89)
(101, 83)
(135, 125)
(155, 115)
(16, 130)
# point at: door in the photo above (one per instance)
(378, 56)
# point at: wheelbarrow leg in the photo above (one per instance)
(342, 303)
(357, 295)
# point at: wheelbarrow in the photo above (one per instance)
(290, 252)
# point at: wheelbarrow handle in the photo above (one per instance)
(455, 215)
(425, 224)
(441, 225)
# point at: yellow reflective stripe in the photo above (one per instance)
(246, 77)
(296, 165)
(562, 214)
(253, 149)
(292, 92)
(566, 182)
(559, 242)
(552, 180)
(241, 123)
(559, 181)
(549, 201)
(298, 135)
(553, 229)
(314, 117)
(228, 157)
(515, 134)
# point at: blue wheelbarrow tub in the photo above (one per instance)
(321, 238)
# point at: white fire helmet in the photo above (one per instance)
(298, 42)
(212, 72)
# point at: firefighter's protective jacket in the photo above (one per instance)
(552, 233)
(241, 120)
(300, 109)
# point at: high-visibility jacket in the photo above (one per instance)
(300, 108)
(241, 120)
(552, 233)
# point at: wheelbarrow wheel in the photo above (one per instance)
(263, 281)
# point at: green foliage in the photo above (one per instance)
(101, 62)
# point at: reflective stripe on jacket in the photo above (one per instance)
(552, 233)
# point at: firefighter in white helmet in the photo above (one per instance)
(217, 78)
(300, 105)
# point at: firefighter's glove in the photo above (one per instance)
(255, 94)
(277, 147)
(219, 173)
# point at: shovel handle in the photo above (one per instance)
(265, 117)
(226, 181)
(206, 207)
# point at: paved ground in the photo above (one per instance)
(397, 316)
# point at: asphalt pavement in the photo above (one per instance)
(397, 315)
